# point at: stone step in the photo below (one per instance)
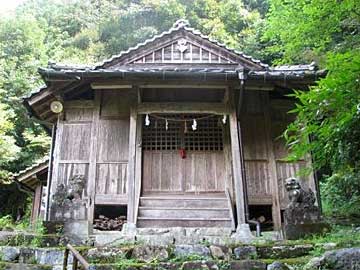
(182, 212)
(183, 201)
(163, 222)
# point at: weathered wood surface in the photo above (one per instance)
(183, 95)
(280, 119)
(115, 104)
(112, 145)
(111, 178)
(138, 164)
(189, 52)
(276, 205)
(113, 140)
(71, 157)
(166, 171)
(111, 199)
(35, 209)
(256, 150)
(237, 165)
(132, 165)
(92, 159)
(164, 211)
(93, 141)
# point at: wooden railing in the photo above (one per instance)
(76, 260)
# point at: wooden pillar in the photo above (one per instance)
(276, 214)
(56, 157)
(36, 204)
(132, 165)
(237, 165)
(138, 165)
(50, 172)
(92, 159)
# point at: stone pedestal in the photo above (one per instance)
(77, 231)
(129, 229)
(243, 234)
(297, 231)
(301, 217)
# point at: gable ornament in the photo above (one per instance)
(182, 45)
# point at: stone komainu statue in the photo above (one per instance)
(302, 208)
(75, 187)
(297, 195)
(68, 198)
(301, 216)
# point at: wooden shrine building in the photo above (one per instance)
(179, 130)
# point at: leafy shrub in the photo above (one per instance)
(6, 222)
(341, 193)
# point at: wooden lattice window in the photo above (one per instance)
(207, 137)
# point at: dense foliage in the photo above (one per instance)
(276, 31)
(328, 116)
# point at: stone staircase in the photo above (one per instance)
(181, 211)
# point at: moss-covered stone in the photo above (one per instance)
(16, 266)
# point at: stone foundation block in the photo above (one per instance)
(221, 252)
(9, 254)
(150, 253)
(188, 250)
(247, 265)
(155, 240)
(245, 252)
(277, 266)
(282, 252)
(199, 265)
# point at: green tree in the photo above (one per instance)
(328, 116)
(8, 149)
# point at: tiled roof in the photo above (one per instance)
(33, 169)
(277, 72)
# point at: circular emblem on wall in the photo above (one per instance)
(56, 106)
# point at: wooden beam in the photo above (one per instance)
(104, 86)
(237, 175)
(131, 165)
(182, 86)
(175, 83)
(189, 107)
(260, 87)
(46, 93)
(79, 104)
(111, 199)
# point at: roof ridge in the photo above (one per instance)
(179, 24)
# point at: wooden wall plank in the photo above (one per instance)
(75, 143)
(276, 213)
(115, 104)
(114, 143)
(200, 171)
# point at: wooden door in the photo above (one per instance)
(165, 170)
(168, 172)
